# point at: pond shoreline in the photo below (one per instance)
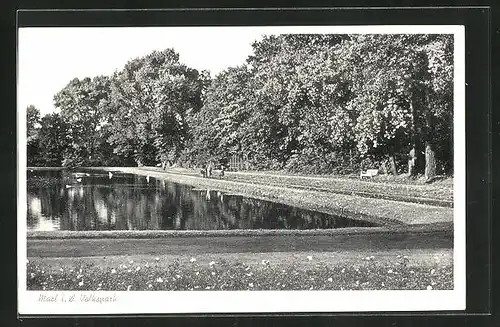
(436, 194)
(379, 211)
(333, 200)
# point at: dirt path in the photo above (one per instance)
(195, 245)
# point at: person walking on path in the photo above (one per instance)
(222, 169)
(209, 169)
(203, 171)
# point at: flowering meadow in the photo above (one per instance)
(188, 274)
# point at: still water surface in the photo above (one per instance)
(91, 200)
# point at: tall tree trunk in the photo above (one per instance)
(430, 158)
(419, 127)
(430, 162)
(414, 164)
(392, 165)
(412, 158)
(138, 161)
(411, 162)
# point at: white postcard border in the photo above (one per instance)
(155, 302)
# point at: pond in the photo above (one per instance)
(94, 200)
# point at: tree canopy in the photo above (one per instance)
(308, 103)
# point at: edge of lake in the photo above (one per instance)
(379, 211)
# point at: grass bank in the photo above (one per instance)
(380, 211)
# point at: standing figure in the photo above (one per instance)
(203, 171)
(222, 169)
(412, 160)
(209, 170)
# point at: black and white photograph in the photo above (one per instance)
(206, 169)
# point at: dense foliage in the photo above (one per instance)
(305, 103)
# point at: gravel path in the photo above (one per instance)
(381, 240)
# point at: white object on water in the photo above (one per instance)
(68, 186)
(110, 174)
(79, 180)
(147, 178)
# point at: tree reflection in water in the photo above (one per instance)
(130, 202)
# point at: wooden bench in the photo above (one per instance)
(368, 173)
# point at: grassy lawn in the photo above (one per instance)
(382, 260)
(360, 270)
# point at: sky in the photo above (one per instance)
(48, 58)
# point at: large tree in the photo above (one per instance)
(82, 104)
(218, 129)
(396, 94)
(298, 84)
(438, 133)
(32, 130)
(55, 140)
(150, 98)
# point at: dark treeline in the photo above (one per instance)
(303, 103)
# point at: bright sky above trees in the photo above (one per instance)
(50, 57)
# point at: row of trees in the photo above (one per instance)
(309, 103)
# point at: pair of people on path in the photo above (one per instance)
(206, 170)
